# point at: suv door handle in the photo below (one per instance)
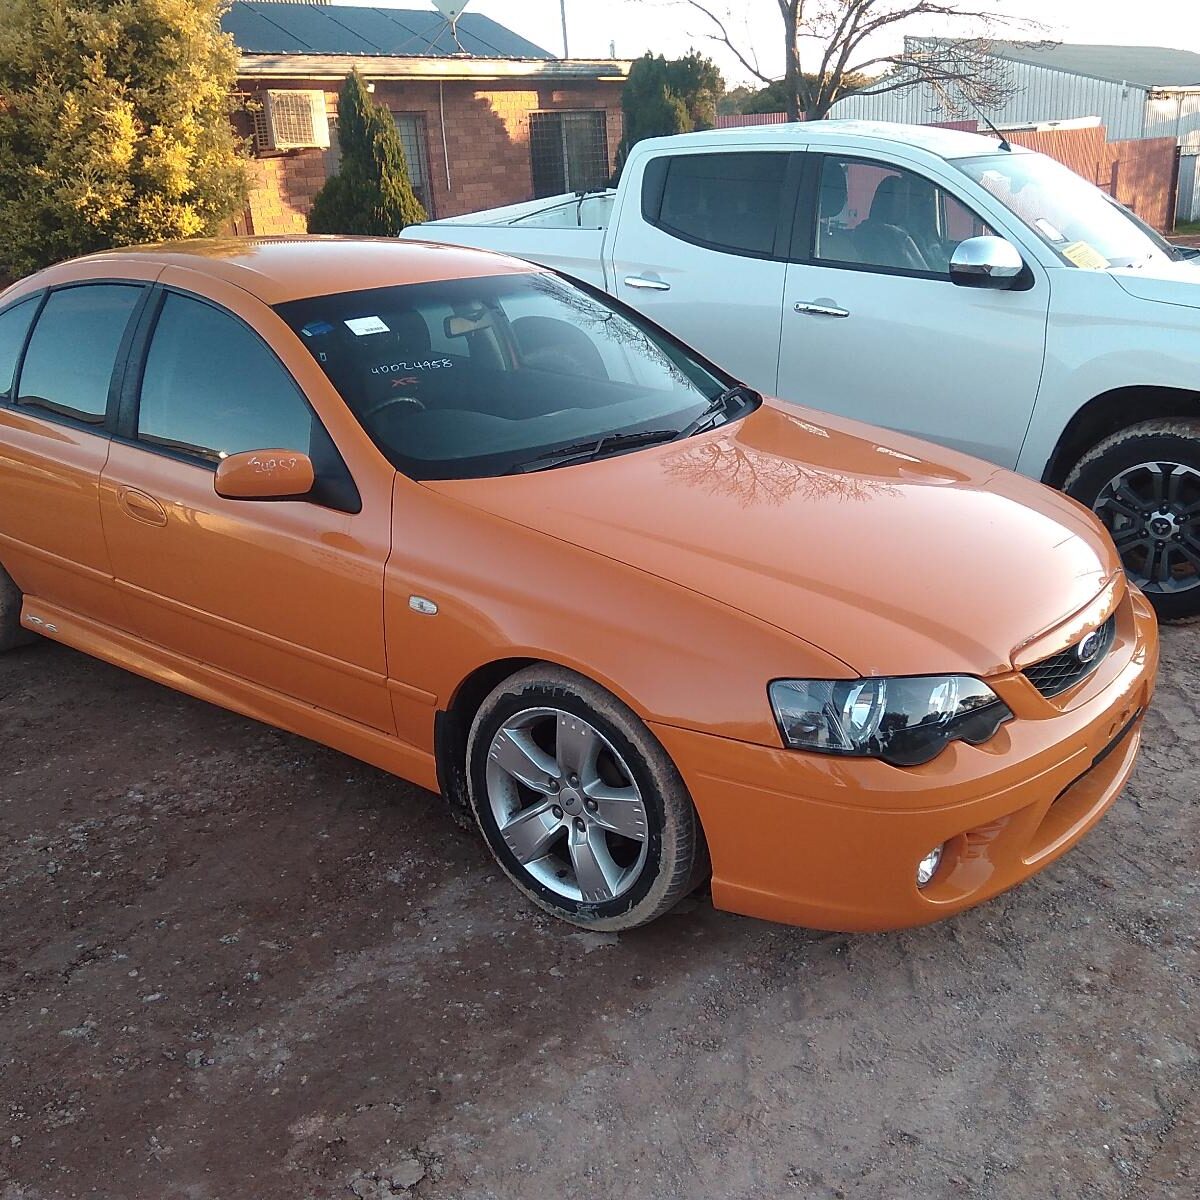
(642, 281)
(821, 310)
(141, 507)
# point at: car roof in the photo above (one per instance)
(945, 143)
(276, 270)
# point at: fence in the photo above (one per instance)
(741, 120)
(1140, 173)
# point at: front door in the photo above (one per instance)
(287, 594)
(706, 258)
(874, 329)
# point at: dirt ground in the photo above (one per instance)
(234, 964)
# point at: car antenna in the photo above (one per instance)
(1004, 143)
(979, 113)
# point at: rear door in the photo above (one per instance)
(702, 251)
(286, 594)
(873, 327)
(59, 356)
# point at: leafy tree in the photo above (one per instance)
(773, 97)
(841, 37)
(370, 192)
(114, 126)
(664, 96)
(732, 102)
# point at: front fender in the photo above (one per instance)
(503, 591)
(1101, 339)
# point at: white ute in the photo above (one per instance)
(924, 279)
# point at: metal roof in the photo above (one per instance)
(272, 27)
(1142, 66)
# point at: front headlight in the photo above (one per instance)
(904, 721)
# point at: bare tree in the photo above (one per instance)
(839, 34)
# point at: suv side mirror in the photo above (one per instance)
(986, 262)
(265, 475)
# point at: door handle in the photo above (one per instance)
(641, 281)
(821, 310)
(141, 507)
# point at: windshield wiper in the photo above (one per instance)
(718, 406)
(596, 448)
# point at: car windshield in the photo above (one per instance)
(1076, 220)
(467, 378)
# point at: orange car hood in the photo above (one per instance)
(897, 558)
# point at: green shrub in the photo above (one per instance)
(114, 126)
(664, 96)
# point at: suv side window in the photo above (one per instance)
(211, 387)
(728, 202)
(876, 215)
(14, 325)
(71, 355)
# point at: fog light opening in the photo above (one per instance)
(927, 867)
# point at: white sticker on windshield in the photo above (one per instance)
(364, 325)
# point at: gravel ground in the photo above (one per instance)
(234, 964)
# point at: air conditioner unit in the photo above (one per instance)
(291, 120)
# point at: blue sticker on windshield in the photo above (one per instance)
(316, 328)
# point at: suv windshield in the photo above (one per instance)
(1076, 220)
(467, 378)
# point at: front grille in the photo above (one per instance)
(1060, 672)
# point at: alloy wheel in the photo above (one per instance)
(567, 805)
(1152, 511)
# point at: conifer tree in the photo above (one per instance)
(370, 193)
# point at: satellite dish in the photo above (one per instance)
(451, 9)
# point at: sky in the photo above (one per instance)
(670, 28)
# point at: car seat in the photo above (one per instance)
(548, 344)
(834, 241)
(900, 222)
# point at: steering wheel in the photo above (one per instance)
(388, 401)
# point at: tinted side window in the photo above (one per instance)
(14, 325)
(727, 201)
(882, 216)
(212, 388)
(74, 347)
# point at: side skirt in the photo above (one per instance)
(227, 691)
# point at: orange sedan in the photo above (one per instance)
(501, 536)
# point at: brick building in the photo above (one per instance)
(486, 117)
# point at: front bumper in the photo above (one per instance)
(833, 843)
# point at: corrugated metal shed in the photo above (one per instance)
(1044, 92)
(1146, 66)
(296, 28)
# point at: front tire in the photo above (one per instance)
(1144, 484)
(579, 803)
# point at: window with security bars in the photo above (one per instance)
(569, 151)
(411, 127)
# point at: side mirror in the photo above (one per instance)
(986, 262)
(265, 475)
